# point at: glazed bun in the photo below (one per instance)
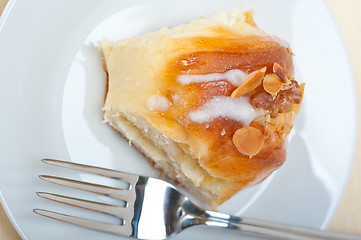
(209, 103)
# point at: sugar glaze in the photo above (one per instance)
(238, 109)
(234, 76)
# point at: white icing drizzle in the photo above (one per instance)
(158, 103)
(238, 109)
(234, 76)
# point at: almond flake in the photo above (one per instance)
(272, 83)
(281, 72)
(250, 84)
(248, 141)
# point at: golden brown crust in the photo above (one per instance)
(250, 53)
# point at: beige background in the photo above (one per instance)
(348, 217)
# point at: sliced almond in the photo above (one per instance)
(248, 141)
(253, 81)
(272, 83)
(281, 72)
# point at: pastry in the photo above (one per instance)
(209, 103)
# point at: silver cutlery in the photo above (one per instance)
(174, 211)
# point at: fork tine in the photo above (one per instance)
(127, 177)
(112, 210)
(125, 230)
(121, 194)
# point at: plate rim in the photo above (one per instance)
(3, 17)
(328, 219)
(11, 3)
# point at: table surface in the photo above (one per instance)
(348, 217)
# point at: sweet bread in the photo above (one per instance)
(209, 103)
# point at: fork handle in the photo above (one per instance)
(266, 229)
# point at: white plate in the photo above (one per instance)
(51, 93)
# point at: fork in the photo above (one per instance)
(174, 211)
